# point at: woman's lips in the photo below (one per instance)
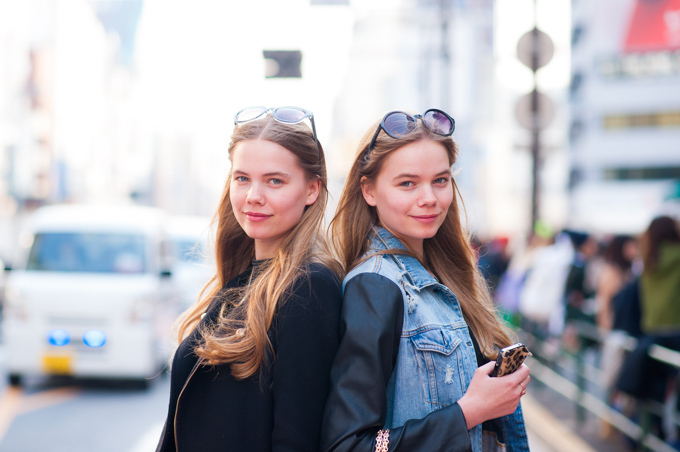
(425, 218)
(256, 217)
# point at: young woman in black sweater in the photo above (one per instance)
(251, 371)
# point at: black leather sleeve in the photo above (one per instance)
(371, 324)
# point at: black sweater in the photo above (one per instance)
(278, 409)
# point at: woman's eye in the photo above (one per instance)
(241, 179)
(406, 183)
(441, 180)
(275, 181)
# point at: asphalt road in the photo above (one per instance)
(58, 415)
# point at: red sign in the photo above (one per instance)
(655, 26)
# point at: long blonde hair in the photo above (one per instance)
(240, 337)
(448, 254)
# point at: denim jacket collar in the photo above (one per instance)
(385, 240)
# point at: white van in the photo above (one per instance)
(91, 296)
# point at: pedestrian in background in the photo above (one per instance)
(251, 371)
(511, 284)
(660, 279)
(493, 261)
(642, 376)
(417, 320)
(579, 293)
(541, 298)
(615, 273)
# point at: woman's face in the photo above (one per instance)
(268, 193)
(413, 192)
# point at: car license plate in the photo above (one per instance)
(58, 364)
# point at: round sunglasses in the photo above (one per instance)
(398, 124)
(286, 115)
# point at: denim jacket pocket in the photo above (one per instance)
(438, 359)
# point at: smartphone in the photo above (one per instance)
(510, 359)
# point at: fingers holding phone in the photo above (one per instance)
(489, 398)
(510, 359)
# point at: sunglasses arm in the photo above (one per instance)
(316, 140)
(375, 137)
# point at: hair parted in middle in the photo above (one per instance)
(240, 337)
(448, 254)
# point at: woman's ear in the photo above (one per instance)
(313, 193)
(367, 190)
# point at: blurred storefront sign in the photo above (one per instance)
(674, 192)
(652, 42)
(639, 65)
(655, 25)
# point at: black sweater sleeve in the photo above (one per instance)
(306, 342)
(371, 324)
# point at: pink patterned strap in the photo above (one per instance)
(382, 441)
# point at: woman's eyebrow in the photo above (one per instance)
(406, 175)
(277, 173)
(416, 176)
(270, 174)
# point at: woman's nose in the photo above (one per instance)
(427, 196)
(255, 195)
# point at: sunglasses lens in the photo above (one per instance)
(291, 115)
(438, 122)
(399, 124)
(248, 114)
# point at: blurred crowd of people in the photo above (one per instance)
(596, 292)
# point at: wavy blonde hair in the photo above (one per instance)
(448, 254)
(240, 337)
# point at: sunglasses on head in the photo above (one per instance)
(286, 115)
(398, 124)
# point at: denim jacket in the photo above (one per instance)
(436, 359)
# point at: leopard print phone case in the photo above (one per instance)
(509, 359)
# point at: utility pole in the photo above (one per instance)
(535, 110)
(445, 55)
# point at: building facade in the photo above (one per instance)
(625, 113)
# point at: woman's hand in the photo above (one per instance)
(491, 397)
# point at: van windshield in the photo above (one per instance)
(88, 252)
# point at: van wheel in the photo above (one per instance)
(15, 380)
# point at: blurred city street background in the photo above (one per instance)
(568, 123)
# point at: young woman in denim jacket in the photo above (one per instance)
(417, 322)
(251, 371)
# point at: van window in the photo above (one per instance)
(88, 252)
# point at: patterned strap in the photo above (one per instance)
(382, 441)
